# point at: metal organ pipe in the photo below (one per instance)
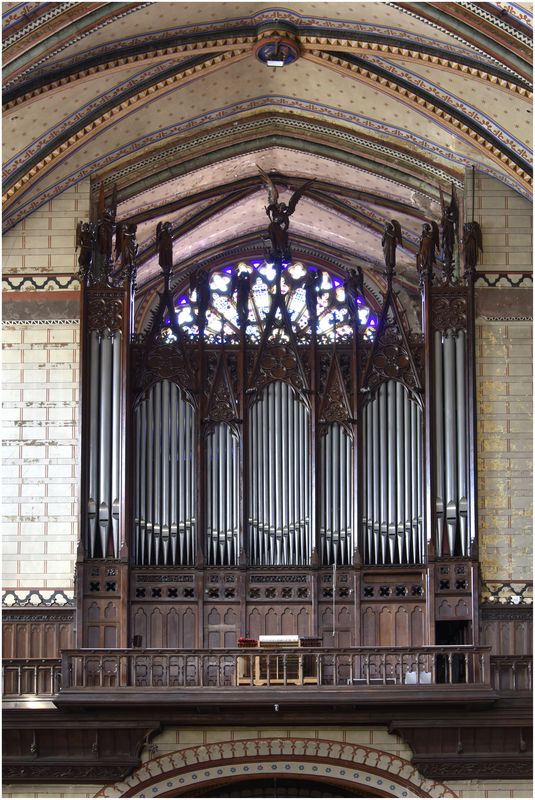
(336, 509)
(92, 504)
(439, 442)
(462, 439)
(222, 496)
(105, 430)
(164, 468)
(450, 439)
(392, 436)
(279, 499)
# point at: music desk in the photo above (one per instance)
(260, 667)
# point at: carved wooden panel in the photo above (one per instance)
(343, 635)
(105, 310)
(168, 627)
(37, 634)
(398, 625)
(508, 630)
(102, 623)
(277, 620)
(221, 627)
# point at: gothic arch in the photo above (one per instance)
(345, 765)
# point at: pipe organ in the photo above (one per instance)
(276, 453)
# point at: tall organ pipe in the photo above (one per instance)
(92, 505)
(105, 442)
(383, 438)
(450, 439)
(460, 362)
(439, 442)
(173, 468)
(116, 440)
(392, 436)
(400, 461)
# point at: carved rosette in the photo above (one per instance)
(390, 360)
(105, 311)
(166, 363)
(279, 364)
(449, 313)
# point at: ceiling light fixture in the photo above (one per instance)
(277, 51)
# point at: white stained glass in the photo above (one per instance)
(185, 315)
(220, 282)
(269, 272)
(297, 271)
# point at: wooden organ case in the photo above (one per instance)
(275, 456)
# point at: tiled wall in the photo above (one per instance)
(505, 446)
(44, 243)
(40, 340)
(504, 369)
(40, 382)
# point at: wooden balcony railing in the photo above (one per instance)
(246, 668)
(251, 667)
(31, 677)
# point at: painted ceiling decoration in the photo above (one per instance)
(384, 104)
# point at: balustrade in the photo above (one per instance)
(357, 668)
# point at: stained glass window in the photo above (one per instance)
(333, 315)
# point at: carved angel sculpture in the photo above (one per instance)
(85, 240)
(279, 214)
(391, 239)
(200, 283)
(448, 225)
(106, 226)
(473, 245)
(354, 288)
(429, 246)
(311, 285)
(164, 241)
(126, 248)
(241, 285)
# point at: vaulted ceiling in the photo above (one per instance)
(387, 104)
